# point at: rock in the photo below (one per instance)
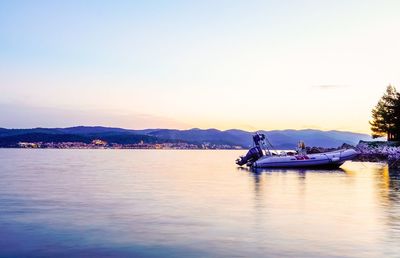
(379, 151)
(346, 146)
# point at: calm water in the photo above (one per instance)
(148, 203)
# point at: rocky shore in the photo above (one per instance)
(370, 152)
(380, 151)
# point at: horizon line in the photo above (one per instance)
(193, 128)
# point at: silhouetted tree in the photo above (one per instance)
(396, 136)
(386, 115)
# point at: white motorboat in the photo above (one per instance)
(327, 159)
(259, 158)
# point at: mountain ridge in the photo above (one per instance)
(284, 138)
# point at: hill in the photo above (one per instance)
(280, 139)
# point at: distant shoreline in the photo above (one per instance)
(115, 148)
(16, 148)
(93, 136)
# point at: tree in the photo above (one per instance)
(386, 115)
(396, 135)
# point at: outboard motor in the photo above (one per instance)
(254, 153)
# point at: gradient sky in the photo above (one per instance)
(181, 64)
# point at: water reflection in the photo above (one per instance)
(301, 175)
(364, 197)
(394, 177)
(92, 203)
(393, 208)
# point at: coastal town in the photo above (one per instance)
(101, 144)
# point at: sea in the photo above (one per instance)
(191, 203)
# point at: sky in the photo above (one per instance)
(207, 64)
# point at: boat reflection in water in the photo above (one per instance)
(354, 208)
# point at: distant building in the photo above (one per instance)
(98, 142)
(28, 145)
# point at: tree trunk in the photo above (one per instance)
(391, 136)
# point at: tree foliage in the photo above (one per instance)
(386, 115)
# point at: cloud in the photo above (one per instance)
(329, 86)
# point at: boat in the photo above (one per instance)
(262, 156)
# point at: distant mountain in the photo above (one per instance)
(11, 137)
(326, 139)
(91, 130)
(199, 136)
(281, 139)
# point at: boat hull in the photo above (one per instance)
(328, 159)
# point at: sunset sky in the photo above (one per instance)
(209, 64)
